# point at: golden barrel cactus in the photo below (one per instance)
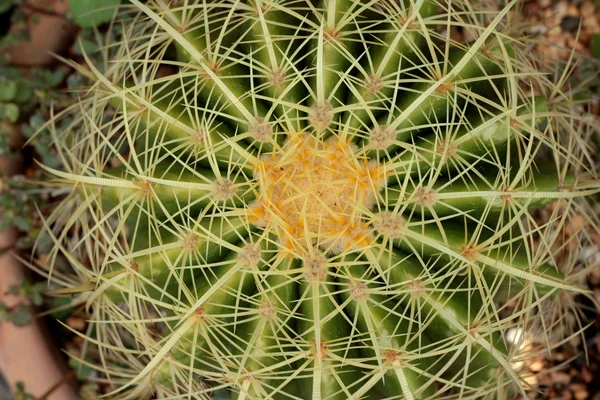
(328, 199)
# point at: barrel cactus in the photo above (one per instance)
(333, 199)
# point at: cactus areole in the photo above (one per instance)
(318, 200)
(314, 194)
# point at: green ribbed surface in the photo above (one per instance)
(316, 200)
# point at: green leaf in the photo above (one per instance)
(9, 111)
(90, 13)
(82, 370)
(221, 394)
(54, 78)
(581, 96)
(8, 89)
(3, 311)
(21, 223)
(595, 45)
(5, 5)
(89, 391)
(21, 316)
(14, 290)
(85, 46)
(37, 294)
(21, 394)
(24, 92)
(59, 307)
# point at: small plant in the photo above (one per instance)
(21, 393)
(330, 200)
(91, 13)
(20, 314)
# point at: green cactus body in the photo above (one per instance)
(316, 200)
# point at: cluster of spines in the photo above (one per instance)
(172, 243)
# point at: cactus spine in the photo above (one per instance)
(318, 200)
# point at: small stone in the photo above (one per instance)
(530, 9)
(584, 38)
(575, 341)
(570, 23)
(573, 11)
(566, 395)
(588, 10)
(594, 277)
(538, 29)
(572, 42)
(548, 17)
(590, 23)
(555, 31)
(561, 8)
(469, 35)
(456, 35)
(544, 379)
(586, 375)
(580, 391)
(560, 377)
(564, 53)
(531, 380)
(76, 323)
(537, 366)
(545, 3)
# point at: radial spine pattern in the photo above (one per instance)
(299, 199)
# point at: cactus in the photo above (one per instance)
(320, 200)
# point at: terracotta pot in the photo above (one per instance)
(49, 32)
(26, 353)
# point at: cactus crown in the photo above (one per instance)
(319, 200)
